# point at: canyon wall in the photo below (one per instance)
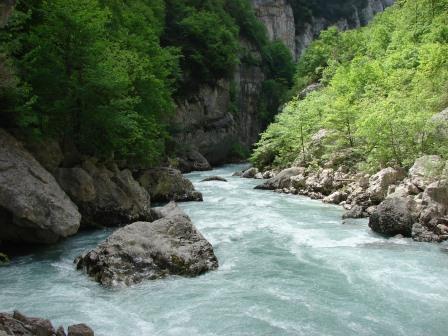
(219, 120)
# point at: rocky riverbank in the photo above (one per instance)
(19, 324)
(411, 203)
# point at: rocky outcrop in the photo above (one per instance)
(143, 250)
(105, 197)
(33, 207)
(282, 23)
(167, 184)
(17, 324)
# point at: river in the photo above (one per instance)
(288, 266)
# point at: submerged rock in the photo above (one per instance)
(214, 178)
(105, 197)
(143, 250)
(167, 184)
(33, 207)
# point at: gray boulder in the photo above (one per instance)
(33, 207)
(214, 178)
(80, 330)
(250, 173)
(105, 197)
(336, 197)
(356, 211)
(282, 179)
(381, 181)
(167, 184)
(192, 160)
(143, 250)
(394, 216)
(426, 170)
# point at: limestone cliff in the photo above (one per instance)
(281, 23)
(217, 119)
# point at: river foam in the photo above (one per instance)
(288, 266)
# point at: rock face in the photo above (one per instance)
(18, 324)
(105, 197)
(167, 184)
(33, 208)
(143, 250)
(380, 182)
(281, 24)
(218, 118)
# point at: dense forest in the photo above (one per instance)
(104, 74)
(380, 87)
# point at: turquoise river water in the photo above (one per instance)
(288, 266)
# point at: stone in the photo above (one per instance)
(167, 184)
(105, 197)
(192, 160)
(4, 259)
(394, 216)
(250, 173)
(381, 181)
(434, 201)
(47, 152)
(258, 176)
(33, 207)
(214, 178)
(268, 174)
(282, 179)
(80, 330)
(60, 331)
(356, 211)
(335, 198)
(169, 246)
(38, 326)
(310, 89)
(238, 173)
(425, 170)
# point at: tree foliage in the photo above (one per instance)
(382, 85)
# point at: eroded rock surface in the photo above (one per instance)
(33, 207)
(167, 184)
(105, 197)
(140, 251)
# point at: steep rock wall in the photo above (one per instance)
(218, 118)
(278, 17)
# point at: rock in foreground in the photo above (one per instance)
(169, 246)
(33, 208)
(17, 324)
(167, 184)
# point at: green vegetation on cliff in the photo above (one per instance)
(382, 85)
(103, 74)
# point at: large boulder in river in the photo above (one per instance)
(167, 184)
(143, 250)
(33, 207)
(394, 216)
(250, 172)
(381, 181)
(105, 197)
(282, 179)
